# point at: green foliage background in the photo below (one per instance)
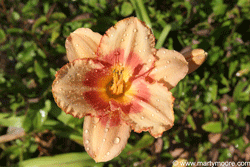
(212, 109)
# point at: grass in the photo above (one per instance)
(212, 109)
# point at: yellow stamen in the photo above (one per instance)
(117, 82)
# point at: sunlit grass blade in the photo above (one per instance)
(67, 160)
(163, 36)
(141, 12)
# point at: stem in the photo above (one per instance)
(141, 12)
(10, 137)
(137, 11)
(163, 36)
(144, 13)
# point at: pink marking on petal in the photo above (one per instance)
(143, 92)
(126, 108)
(133, 108)
(113, 117)
(115, 57)
(157, 113)
(134, 64)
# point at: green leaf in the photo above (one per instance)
(126, 9)
(58, 16)
(12, 121)
(28, 121)
(3, 115)
(41, 53)
(188, 6)
(46, 7)
(15, 30)
(144, 142)
(27, 54)
(37, 115)
(224, 90)
(219, 7)
(213, 127)
(59, 114)
(60, 49)
(43, 113)
(71, 135)
(224, 154)
(38, 22)
(243, 3)
(54, 36)
(52, 72)
(214, 54)
(191, 122)
(2, 36)
(133, 155)
(30, 5)
(39, 70)
(245, 111)
(242, 91)
(15, 16)
(245, 69)
(211, 94)
(224, 80)
(239, 144)
(234, 113)
(67, 160)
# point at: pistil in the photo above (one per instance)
(117, 82)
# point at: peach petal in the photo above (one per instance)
(131, 37)
(82, 43)
(195, 59)
(156, 114)
(103, 142)
(68, 88)
(170, 68)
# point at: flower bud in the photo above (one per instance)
(195, 58)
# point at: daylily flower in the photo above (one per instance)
(119, 82)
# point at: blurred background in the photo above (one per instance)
(212, 109)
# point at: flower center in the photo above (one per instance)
(117, 84)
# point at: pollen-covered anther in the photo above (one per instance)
(117, 81)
